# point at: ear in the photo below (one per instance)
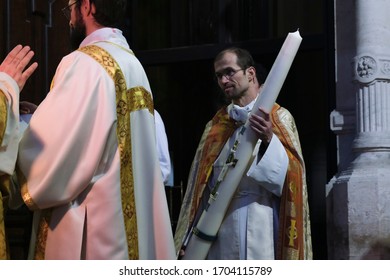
(87, 8)
(251, 73)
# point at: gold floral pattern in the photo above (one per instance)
(127, 100)
(3, 115)
(43, 228)
(3, 123)
(294, 210)
(3, 244)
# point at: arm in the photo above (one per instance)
(270, 166)
(270, 171)
(162, 147)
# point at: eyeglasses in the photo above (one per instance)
(67, 10)
(228, 73)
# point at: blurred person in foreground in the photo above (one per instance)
(13, 76)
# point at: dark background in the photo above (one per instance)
(176, 41)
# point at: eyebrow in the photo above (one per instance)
(225, 69)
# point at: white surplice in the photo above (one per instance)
(70, 158)
(9, 145)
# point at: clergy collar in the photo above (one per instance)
(240, 114)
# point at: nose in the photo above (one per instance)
(224, 79)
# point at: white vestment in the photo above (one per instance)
(70, 158)
(9, 145)
(247, 231)
(9, 139)
(162, 148)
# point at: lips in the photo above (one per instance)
(228, 88)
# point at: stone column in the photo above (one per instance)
(358, 197)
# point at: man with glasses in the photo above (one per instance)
(88, 162)
(13, 76)
(258, 223)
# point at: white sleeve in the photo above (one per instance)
(270, 171)
(162, 147)
(9, 145)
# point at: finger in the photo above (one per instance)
(260, 134)
(16, 61)
(266, 114)
(256, 125)
(26, 74)
(258, 119)
(11, 55)
(30, 70)
(19, 59)
(23, 58)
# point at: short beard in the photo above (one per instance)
(77, 32)
(235, 97)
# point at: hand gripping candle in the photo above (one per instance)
(211, 218)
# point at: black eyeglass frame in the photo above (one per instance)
(67, 10)
(227, 73)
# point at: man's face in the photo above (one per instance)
(77, 28)
(232, 79)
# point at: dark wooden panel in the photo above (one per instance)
(208, 51)
(177, 40)
(41, 25)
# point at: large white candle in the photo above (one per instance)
(211, 218)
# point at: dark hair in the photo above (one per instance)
(108, 13)
(244, 58)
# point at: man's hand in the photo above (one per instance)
(15, 63)
(262, 126)
(26, 107)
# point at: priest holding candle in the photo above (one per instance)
(267, 216)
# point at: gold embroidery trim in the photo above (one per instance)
(43, 228)
(41, 235)
(139, 99)
(4, 193)
(3, 115)
(127, 101)
(24, 190)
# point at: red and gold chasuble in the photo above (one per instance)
(294, 241)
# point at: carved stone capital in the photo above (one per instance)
(368, 68)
